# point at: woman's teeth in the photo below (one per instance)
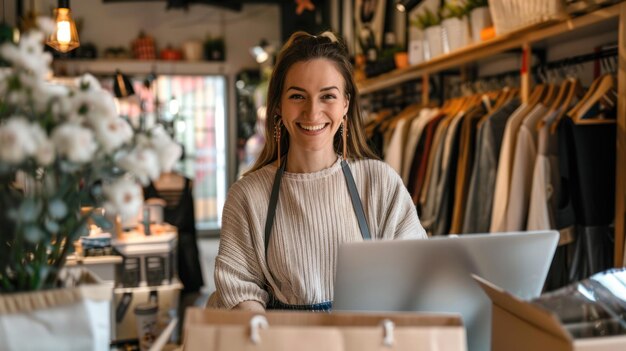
(312, 128)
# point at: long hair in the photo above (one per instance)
(302, 47)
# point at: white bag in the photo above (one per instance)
(77, 318)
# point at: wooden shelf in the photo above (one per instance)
(127, 66)
(488, 48)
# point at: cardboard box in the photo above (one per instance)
(520, 325)
(223, 330)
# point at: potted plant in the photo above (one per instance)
(429, 22)
(480, 17)
(455, 26)
(62, 147)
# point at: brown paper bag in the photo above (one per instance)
(221, 330)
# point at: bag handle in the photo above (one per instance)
(257, 322)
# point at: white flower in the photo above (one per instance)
(169, 152)
(44, 149)
(15, 140)
(28, 55)
(91, 104)
(74, 142)
(124, 197)
(112, 133)
(51, 95)
(46, 24)
(143, 163)
(87, 82)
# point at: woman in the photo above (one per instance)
(284, 220)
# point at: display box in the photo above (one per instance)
(148, 260)
(519, 325)
(223, 330)
(126, 299)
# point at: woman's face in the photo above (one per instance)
(312, 104)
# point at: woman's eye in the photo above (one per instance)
(328, 97)
(296, 97)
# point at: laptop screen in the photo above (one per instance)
(435, 275)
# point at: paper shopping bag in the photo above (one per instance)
(222, 330)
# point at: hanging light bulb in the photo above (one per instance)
(65, 36)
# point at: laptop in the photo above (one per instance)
(435, 275)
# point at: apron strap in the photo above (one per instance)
(271, 210)
(356, 201)
(354, 197)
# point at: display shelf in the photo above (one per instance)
(69, 67)
(565, 30)
(606, 20)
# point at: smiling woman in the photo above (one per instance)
(315, 186)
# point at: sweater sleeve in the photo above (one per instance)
(238, 274)
(400, 220)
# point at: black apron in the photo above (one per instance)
(274, 303)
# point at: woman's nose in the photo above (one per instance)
(313, 108)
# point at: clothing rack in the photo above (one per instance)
(540, 36)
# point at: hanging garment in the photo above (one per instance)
(545, 182)
(465, 165)
(505, 164)
(477, 216)
(587, 169)
(393, 153)
(525, 154)
(415, 135)
(439, 205)
(181, 215)
(419, 165)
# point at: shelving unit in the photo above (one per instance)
(604, 20)
(127, 66)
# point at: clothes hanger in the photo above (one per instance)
(574, 90)
(606, 84)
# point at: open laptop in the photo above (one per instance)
(434, 275)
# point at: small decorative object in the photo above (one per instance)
(144, 47)
(116, 53)
(455, 26)
(304, 5)
(214, 49)
(171, 54)
(480, 17)
(429, 22)
(192, 50)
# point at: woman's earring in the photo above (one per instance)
(277, 131)
(344, 135)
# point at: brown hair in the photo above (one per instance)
(300, 47)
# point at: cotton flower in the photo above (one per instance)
(169, 152)
(28, 55)
(112, 133)
(88, 82)
(124, 197)
(44, 148)
(46, 25)
(74, 142)
(54, 96)
(92, 105)
(15, 140)
(143, 163)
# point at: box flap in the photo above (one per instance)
(528, 312)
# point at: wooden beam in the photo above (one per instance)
(488, 48)
(620, 176)
(525, 72)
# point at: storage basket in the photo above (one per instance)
(512, 15)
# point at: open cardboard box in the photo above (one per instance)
(520, 325)
(223, 330)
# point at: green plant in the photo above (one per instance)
(453, 10)
(62, 147)
(426, 19)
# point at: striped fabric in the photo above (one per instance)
(314, 215)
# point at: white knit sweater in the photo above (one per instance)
(314, 215)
